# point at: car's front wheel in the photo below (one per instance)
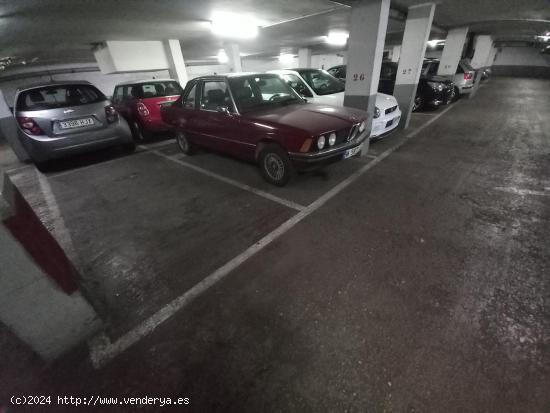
(275, 165)
(418, 103)
(184, 144)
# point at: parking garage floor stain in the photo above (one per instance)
(422, 287)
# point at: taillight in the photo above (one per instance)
(111, 114)
(29, 126)
(142, 109)
(467, 76)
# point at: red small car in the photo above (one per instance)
(139, 102)
(259, 117)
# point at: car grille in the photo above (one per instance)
(342, 135)
(390, 110)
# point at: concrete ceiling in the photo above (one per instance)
(62, 31)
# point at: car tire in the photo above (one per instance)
(457, 94)
(275, 165)
(418, 103)
(138, 132)
(183, 143)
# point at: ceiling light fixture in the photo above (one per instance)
(222, 56)
(234, 25)
(434, 43)
(545, 37)
(286, 58)
(337, 38)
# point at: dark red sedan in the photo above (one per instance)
(259, 117)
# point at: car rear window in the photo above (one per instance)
(159, 89)
(58, 96)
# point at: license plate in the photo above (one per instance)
(350, 152)
(76, 123)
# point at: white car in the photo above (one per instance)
(318, 86)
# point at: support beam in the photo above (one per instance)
(304, 57)
(483, 45)
(417, 31)
(234, 55)
(369, 21)
(176, 64)
(452, 52)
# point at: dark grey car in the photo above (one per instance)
(59, 119)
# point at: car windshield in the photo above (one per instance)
(321, 82)
(58, 96)
(159, 89)
(261, 91)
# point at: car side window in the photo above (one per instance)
(117, 94)
(215, 94)
(297, 84)
(189, 99)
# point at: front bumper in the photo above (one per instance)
(384, 125)
(42, 148)
(439, 97)
(304, 160)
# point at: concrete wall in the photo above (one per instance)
(521, 62)
(321, 61)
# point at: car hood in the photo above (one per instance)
(436, 78)
(313, 118)
(383, 101)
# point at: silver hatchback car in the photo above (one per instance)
(59, 119)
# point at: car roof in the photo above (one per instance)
(231, 75)
(52, 83)
(141, 81)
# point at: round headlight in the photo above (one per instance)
(376, 112)
(321, 142)
(363, 126)
(332, 139)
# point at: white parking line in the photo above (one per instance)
(158, 144)
(259, 192)
(101, 348)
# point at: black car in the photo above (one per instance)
(432, 90)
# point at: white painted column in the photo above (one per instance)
(395, 53)
(369, 22)
(345, 58)
(304, 57)
(417, 32)
(452, 52)
(483, 45)
(234, 55)
(176, 64)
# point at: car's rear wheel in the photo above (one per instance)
(275, 165)
(138, 132)
(418, 103)
(184, 144)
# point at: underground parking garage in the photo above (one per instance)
(311, 206)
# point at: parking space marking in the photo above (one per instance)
(159, 144)
(102, 350)
(259, 192)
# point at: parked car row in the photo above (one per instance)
(284, 120)
(432, 90)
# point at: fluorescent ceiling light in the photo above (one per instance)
(286, 58)
(337, 38)
(234, 25)
(222, 56)
(434, 43)
(544, 38)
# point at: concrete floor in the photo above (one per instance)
(421, 287)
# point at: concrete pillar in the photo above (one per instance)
(8, 130)
(395, 53)
(234, 55)
(369, 21)
(345, 58)
(176, 64)
(39, 298)
(417, 32)
(483, 45)
(452, 52)
(304, 57)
